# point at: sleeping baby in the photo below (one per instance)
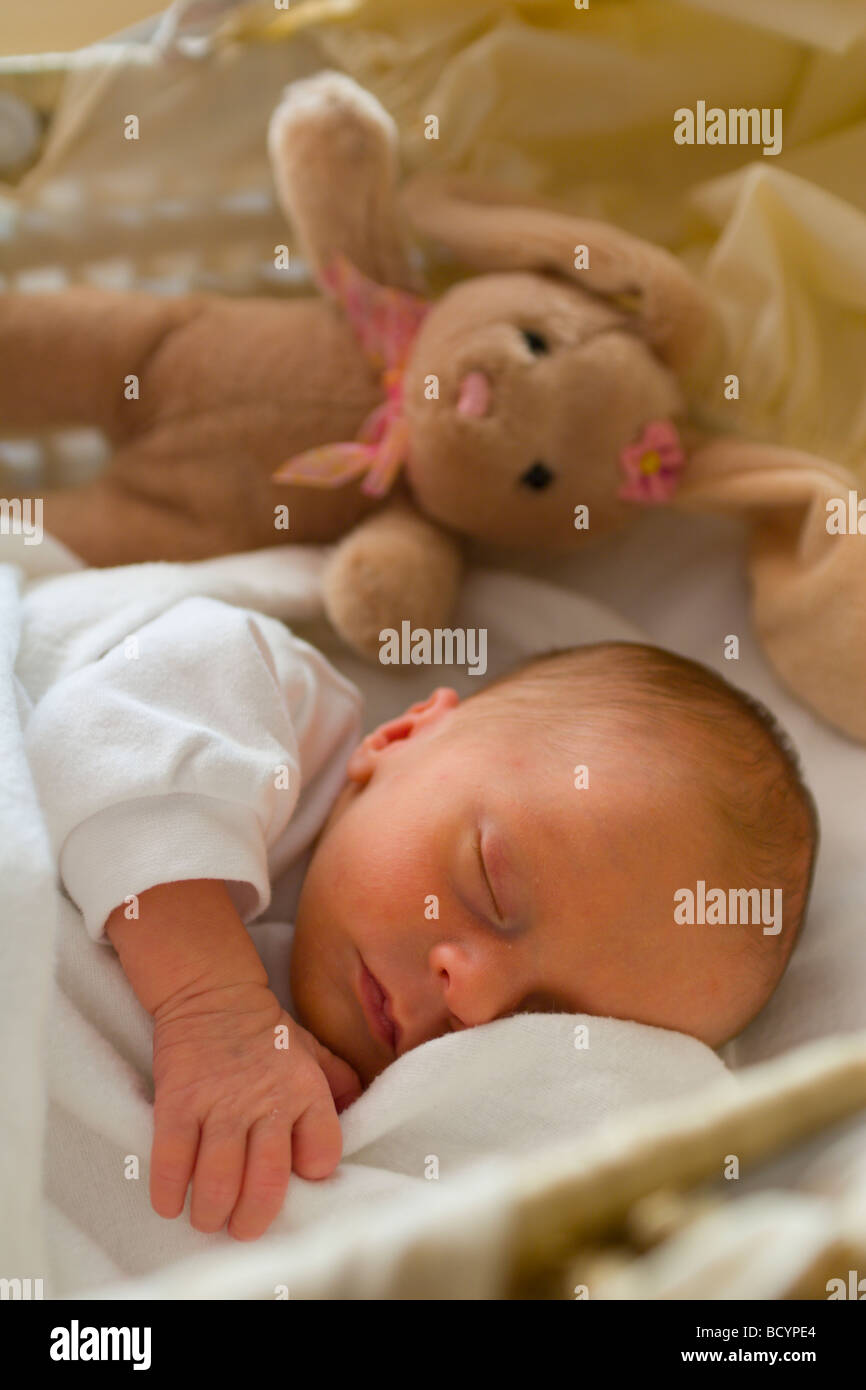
(525, 849)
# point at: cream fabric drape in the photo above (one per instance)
(573, 104)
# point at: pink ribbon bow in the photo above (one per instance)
(386, 322)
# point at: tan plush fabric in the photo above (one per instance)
(809, 583)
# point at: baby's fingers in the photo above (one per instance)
(172, 1158)
(219, 1168)
(266, 1177)
(317, 1140)
(343, 1081)
(313, 1149)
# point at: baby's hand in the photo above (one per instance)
(239, 1110)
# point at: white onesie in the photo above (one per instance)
(211, 743)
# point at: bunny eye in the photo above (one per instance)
(537, 344)
(537, 477)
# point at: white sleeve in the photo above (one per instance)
(174, 756)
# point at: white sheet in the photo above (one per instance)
(471, 1098)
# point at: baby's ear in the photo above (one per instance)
(423, 715)
(492, 229)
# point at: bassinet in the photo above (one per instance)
(641, 1209)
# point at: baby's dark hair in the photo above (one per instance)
(756, 789)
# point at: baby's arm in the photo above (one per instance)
(243, 1094)
(166, 769)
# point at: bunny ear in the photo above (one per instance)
(807, 565)
(492, 229)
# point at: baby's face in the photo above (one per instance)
(466, 873)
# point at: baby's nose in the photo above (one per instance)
(475, 395)
(475, 985)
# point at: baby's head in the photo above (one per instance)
(555, 843)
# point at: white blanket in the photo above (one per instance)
(423, 1146)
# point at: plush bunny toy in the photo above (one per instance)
(536, 404)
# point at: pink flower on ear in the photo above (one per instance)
(652, 465)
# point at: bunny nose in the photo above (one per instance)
(475, 395)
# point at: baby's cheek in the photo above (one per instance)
(320, 1001)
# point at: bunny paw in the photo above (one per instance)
(331, 107)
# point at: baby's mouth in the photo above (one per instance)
(377, 1008)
